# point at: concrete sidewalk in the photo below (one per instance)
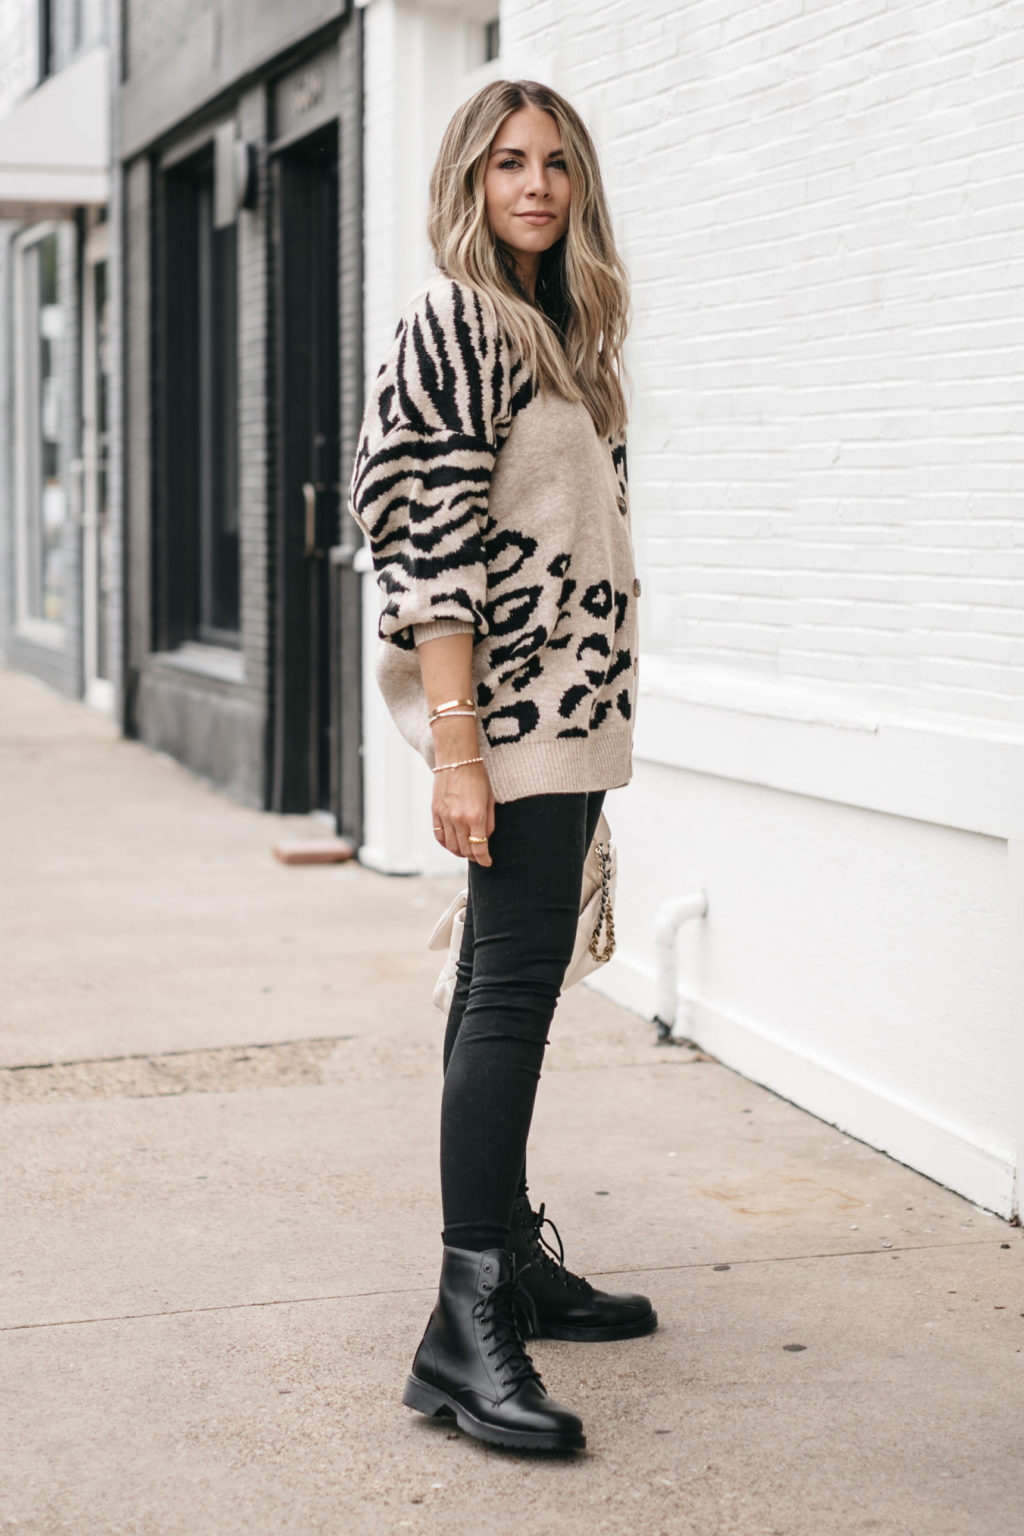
(219, 1081)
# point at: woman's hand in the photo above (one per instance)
(463, 808)
(463, 802)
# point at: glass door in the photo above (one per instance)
(40, 492)
(96, 533)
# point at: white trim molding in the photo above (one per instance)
(950, 771)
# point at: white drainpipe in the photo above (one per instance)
(672, 914)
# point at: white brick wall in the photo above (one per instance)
(822, 206)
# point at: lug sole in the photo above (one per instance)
(437, 1404)
(635, 1330)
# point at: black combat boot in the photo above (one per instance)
(556, 1304)
(471, 1363)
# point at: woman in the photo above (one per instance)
(490, 479)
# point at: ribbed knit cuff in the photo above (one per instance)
(440, 628)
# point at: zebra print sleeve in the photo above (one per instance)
(423, 466)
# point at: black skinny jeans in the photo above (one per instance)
(521, 921)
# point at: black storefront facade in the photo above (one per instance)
(240, 156)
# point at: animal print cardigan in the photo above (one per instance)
(494, 509)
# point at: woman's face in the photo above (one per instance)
(526, 188)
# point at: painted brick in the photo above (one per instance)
(822, 211)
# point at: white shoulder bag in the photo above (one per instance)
(595, 936)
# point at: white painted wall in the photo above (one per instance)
(821, 208)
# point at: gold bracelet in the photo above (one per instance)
(463, 764)
(452, 704)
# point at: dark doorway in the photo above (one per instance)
(316, 677)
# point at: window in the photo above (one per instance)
(41, 498)
(87, 24)
(492, 41)
(46, 33)
(199, 547)
(218, 392)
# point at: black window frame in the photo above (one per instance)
(197, 554)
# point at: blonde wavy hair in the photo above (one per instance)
(571, 337)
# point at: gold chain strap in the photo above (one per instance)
(605, 917)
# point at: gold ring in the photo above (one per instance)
(478, 839)
(439, 829)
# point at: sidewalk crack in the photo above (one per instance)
(415, 1290)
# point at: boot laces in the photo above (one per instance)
(497, 1311)
(548, 1257)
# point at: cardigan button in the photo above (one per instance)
(621, 504)
(636, 587)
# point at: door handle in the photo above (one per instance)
(309, 496)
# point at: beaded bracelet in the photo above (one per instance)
(453, 714)
(463, 764)
(451, 704)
